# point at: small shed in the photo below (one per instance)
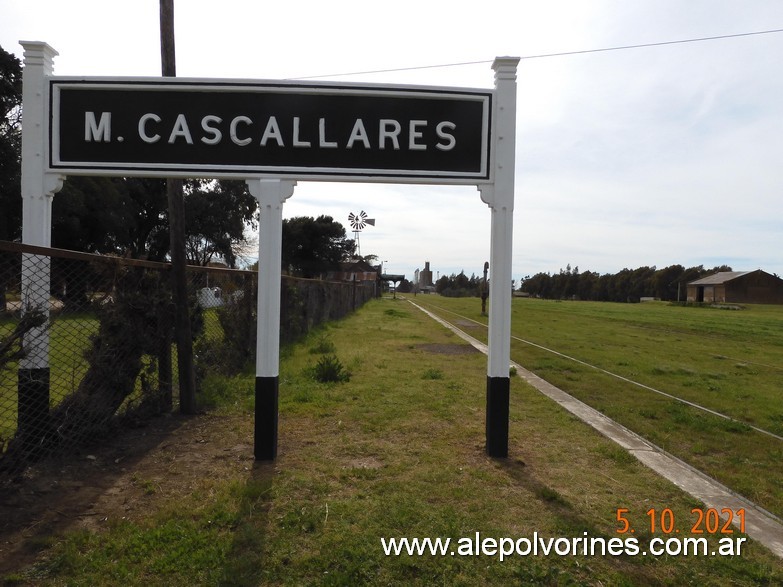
(739, 287)
(357, 270)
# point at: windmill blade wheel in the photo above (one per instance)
(357, 221)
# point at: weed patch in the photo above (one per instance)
(323, 346)
(432, 374)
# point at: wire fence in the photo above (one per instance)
(87, 341)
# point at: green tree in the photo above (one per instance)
(217, 214)
(461, 281)
(539, 285)
(10, 157)
(405, 286)
(666, 281)
(442, 284)
(10, 146)
(129, 216)
(313, 246)
(111, 215)
(587, 285)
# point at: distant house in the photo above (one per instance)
(354, 270)
(741, 287)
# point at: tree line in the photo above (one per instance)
(459, 285)
(627, 285)
(456, 285)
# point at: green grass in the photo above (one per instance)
(728, 361)
(69, 337)
(396, 451)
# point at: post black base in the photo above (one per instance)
(497, 416)
(33, 408)
(267, 394)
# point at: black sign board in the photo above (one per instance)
(204, 128)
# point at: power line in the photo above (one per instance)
(544, 55)
(394, 69)
(658, 44)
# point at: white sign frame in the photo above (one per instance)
(312, 93)
(40, 181)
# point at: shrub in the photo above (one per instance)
(330, 369)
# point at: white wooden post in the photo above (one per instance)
(500, 197)
(271, 194)
(38, 189)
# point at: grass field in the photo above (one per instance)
(398, 450)
(729, 361)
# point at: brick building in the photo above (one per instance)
(741, 287)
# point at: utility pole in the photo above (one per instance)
(174, 191)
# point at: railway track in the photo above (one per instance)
(761, 525)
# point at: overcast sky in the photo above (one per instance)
(647, 156)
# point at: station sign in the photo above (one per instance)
(209, 128)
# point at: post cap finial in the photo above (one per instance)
(39, 47)
(38, 53)
(505, 67)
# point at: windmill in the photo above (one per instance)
(358, 223)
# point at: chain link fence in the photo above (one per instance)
(87, 341)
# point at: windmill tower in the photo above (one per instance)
(358, 223)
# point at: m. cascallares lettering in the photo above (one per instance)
(273, 131)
